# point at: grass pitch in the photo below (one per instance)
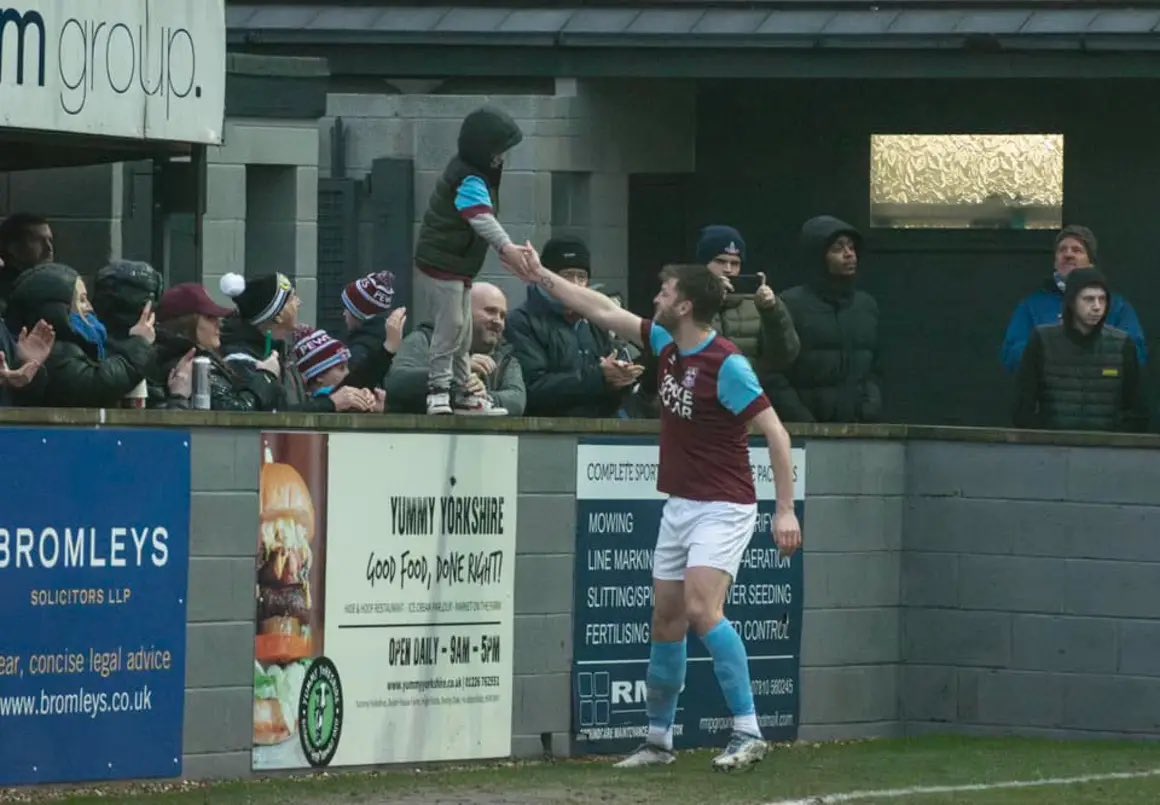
(789, 772)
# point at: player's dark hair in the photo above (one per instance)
(700, 286)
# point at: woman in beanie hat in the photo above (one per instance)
(374, 333)
(84, 369)
(188, 320)
(267, 314)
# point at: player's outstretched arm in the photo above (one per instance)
(786, 530)
(592, 305)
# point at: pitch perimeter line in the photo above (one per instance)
(852, 796)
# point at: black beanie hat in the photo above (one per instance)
(716, 239)
(565, 251)
(1084, 236)
(258, 299)
(1077, 280)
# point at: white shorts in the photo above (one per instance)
(700, 533)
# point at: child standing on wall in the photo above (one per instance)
(457, 229)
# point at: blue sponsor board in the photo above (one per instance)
(618, 513)
(94, 558)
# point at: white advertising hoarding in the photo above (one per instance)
(138, 69)
(386, 635)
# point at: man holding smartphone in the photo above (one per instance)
(752, 317)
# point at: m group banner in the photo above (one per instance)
(618, 514)
(385, 571)
(136, 69)
(94, 560)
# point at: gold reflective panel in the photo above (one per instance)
(966, 181)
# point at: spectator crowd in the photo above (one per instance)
(1073, 348)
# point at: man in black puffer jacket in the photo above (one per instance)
(835, 376)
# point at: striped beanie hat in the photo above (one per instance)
(369, 296)
(315, 352)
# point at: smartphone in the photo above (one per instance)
(745, 283)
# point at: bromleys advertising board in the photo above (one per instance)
(94, 561)
(385, 586)
(618, 513)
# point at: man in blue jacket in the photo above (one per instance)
(1075, 247)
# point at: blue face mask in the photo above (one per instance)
(91, 330)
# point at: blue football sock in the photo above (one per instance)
(666, 677)
(731, 665)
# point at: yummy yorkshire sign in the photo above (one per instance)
(140, 69)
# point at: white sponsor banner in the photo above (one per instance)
(139, 69)
(629, 472)
(420, 594)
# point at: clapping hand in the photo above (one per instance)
(395, 324)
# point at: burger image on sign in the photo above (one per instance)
(284, 643)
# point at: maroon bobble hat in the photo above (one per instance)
(369, 296)
(315, 351)
(187, 299)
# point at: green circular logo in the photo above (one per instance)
(320, 712)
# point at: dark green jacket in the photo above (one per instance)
(766, 336)
(835, 377)
(1071, 381)
(447, 244)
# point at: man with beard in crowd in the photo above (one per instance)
(494, 367)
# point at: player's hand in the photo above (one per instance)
(515, 258)
(787, 534)
(763, 297)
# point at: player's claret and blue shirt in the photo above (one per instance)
(707, 395)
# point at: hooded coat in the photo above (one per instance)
(77, 376)
(1072, 380)
(447, 243)
(835, 376)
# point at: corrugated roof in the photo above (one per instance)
(905, 27)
